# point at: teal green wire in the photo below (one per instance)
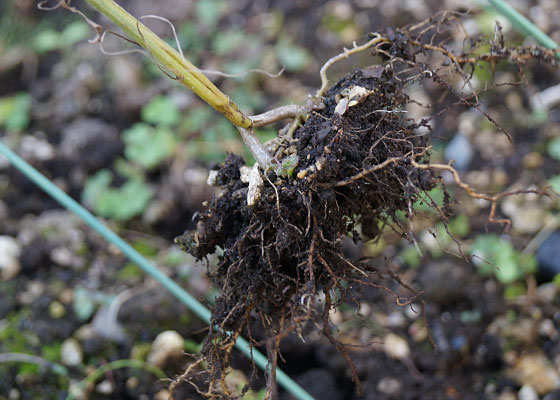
(522, 24)
(193, 304)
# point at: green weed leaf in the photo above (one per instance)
(120, 204)
(14, 111)
(75, 32)
(95, 186)
(554, 148)
(294, 58)
(554, 182)
(125, 202)
(45, 41)
(498, 256)
(147, 146)
(161, 111)
(209, 12)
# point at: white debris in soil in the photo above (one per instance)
(71, 353)
(212, 178)
(245, 172)
(341, 106)
(9, 257)
(356, 95)
(255, 186)
(168, 344)
(350, 98)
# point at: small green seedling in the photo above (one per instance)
(287, 166)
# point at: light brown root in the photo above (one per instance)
(475, 195)
(345, 54)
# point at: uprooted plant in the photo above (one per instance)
(348, 163)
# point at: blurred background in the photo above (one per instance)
(135, 148)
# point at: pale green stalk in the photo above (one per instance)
(181, 69)
(173, 62)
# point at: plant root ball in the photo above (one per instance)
(353, 167)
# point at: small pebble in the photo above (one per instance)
(396, 320)
(396, 346)
(132, 383)
(391, 387)
(460, 151)
(418, 332)
(66, 296)
(71, 353)
(163, 394)
(56, 310)
(507, 394)
(413, 311)
(537, 370)
(167, 345)
(105, 387)
(9, 257)
(547, 329)
(14, 394)
(532, 160)
(547, 292)
(527, 392)
(36, 149)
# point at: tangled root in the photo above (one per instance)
(355, 163)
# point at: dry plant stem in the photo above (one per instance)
(345, 54)
(256, 147)
(170, 60)
(278, 114)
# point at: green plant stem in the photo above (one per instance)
(133, 255)
(169, 59)
(524, 25)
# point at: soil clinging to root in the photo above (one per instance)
(353, 164)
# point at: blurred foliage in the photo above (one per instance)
(553, 148)
(51, 351)
(14, 111)
(554, 183)
(161, 111)
(410, 256)
(121, 203)
(130, 273)
(148, 146)
(293, 57)
(209, 12)
(494, 255)
(435, 195)
(50, 39)
(84, 304)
